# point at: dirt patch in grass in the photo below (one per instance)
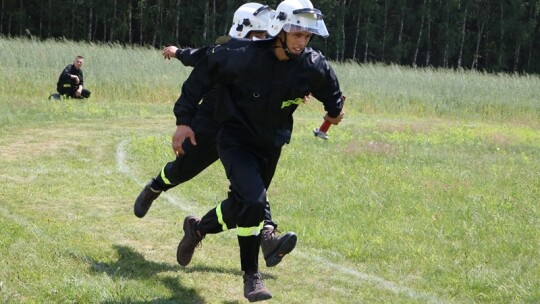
(423, 127)
(33, 143)
(28, 143)
(373, 147)
(501, 139)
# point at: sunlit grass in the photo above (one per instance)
(426, 193)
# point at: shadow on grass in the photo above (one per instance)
(133, 265)
(239, 273)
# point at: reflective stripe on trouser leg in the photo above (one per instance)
(219, 214)
(164, 178)
(249, 231)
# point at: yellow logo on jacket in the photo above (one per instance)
(289, 103)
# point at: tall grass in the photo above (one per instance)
(430, 92)
(426, 193)
(117, 73)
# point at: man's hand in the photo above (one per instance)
(78, 93)
(169, 52)
(307, 97)
(182, 133)
(336, 120)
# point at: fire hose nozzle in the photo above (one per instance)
(321, 131)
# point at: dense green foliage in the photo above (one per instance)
(498, 35)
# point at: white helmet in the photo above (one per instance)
(250, 17)
(297, 16)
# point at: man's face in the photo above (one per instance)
(78, 63)
(257, 35)
(297, 41)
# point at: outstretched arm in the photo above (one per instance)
(188, 56)
(169, 52)
(201, 79)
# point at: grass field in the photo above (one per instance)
(426, 193)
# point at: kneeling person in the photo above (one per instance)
(71, 82)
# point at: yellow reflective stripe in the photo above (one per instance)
(220, 218)
(164, 178)
(249, 231)
(288, 103)
(67, 85)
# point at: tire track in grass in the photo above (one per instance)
(40, 235)
(34, 230)
(379, 282)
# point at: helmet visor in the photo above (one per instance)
(307, 20)
(317, 28)
(261, 9)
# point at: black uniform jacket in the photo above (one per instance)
(65, 79)
(258, 93)
(191, 57)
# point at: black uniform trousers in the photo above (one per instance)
(194, 161)
(70, 89)
(250, 170)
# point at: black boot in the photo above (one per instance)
(275, 247)
(145, 199)
(254, 289)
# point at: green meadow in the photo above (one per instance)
(427, 192)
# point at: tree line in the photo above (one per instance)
(486, 35)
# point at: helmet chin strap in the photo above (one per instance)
(286, 49)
